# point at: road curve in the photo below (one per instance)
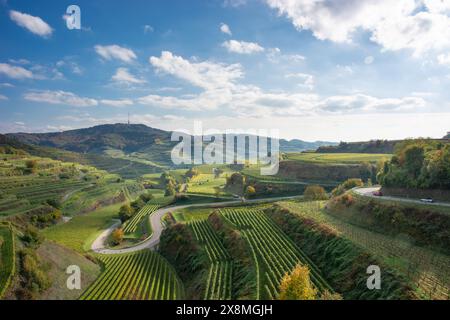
(98, 246)
(368, 192)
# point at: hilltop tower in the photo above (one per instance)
(128, 118)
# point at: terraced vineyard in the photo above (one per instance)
(143, 275)
(133, 223)
(275, 253)
(7, 257)
(218, 285)
(428, 270)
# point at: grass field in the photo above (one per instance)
(82, 230)
(58, 258)
(206, 184)
(335, 158)
(142, 275)
(427, 269)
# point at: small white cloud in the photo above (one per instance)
(15, 72)
(306, 80)
(369, 60)
(2, 97)
(242, 47)
(444, 59)
(117, 103)
(6, 85)
(59, 97)
(115, 52)
(225, 28)
(124, 76)
(33, 24)
(148, 28)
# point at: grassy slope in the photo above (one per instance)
(59, 258)
(347, 158)
(82, 230)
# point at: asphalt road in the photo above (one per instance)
(368, 192)
(151, 242)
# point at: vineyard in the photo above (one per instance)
(275, 253)
(218, 285)
(427, 269)
(133, 223)
(143, 275)
(7, 257)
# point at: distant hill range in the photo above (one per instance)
(447, 136)
(128, 139)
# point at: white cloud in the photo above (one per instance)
(59, 97)
(306, 80)
(123, 75)
(2, 97)
(394, 25)
(6, 85)
(33, 24)
(148, 28)
(438, 6)
(444, 59)
(207, 75)
(221, 90)
(362, 102)
(15, 72)
(224, 28)
(117, 103)
(242, 47)
(274, 55)
(234, 3)
(369, 60)
(115, 52)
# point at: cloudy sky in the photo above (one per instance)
(313, 69)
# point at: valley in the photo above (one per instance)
(140, 228)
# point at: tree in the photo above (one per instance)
(192, 172)
(297, 285)
(146, 197)
(413, 160)
(125, 212)
(170, 190)
(217, 172)
(250, 191)
(117, 236)
(315, 193)
(235, 183)
(347, 185)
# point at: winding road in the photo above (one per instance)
(98, 246)
(368, 192)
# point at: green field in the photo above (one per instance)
(80, 231)
(207, 184)
(336, 158)
(142, 275)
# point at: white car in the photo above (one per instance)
(427, 200)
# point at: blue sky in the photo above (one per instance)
(315, 70)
